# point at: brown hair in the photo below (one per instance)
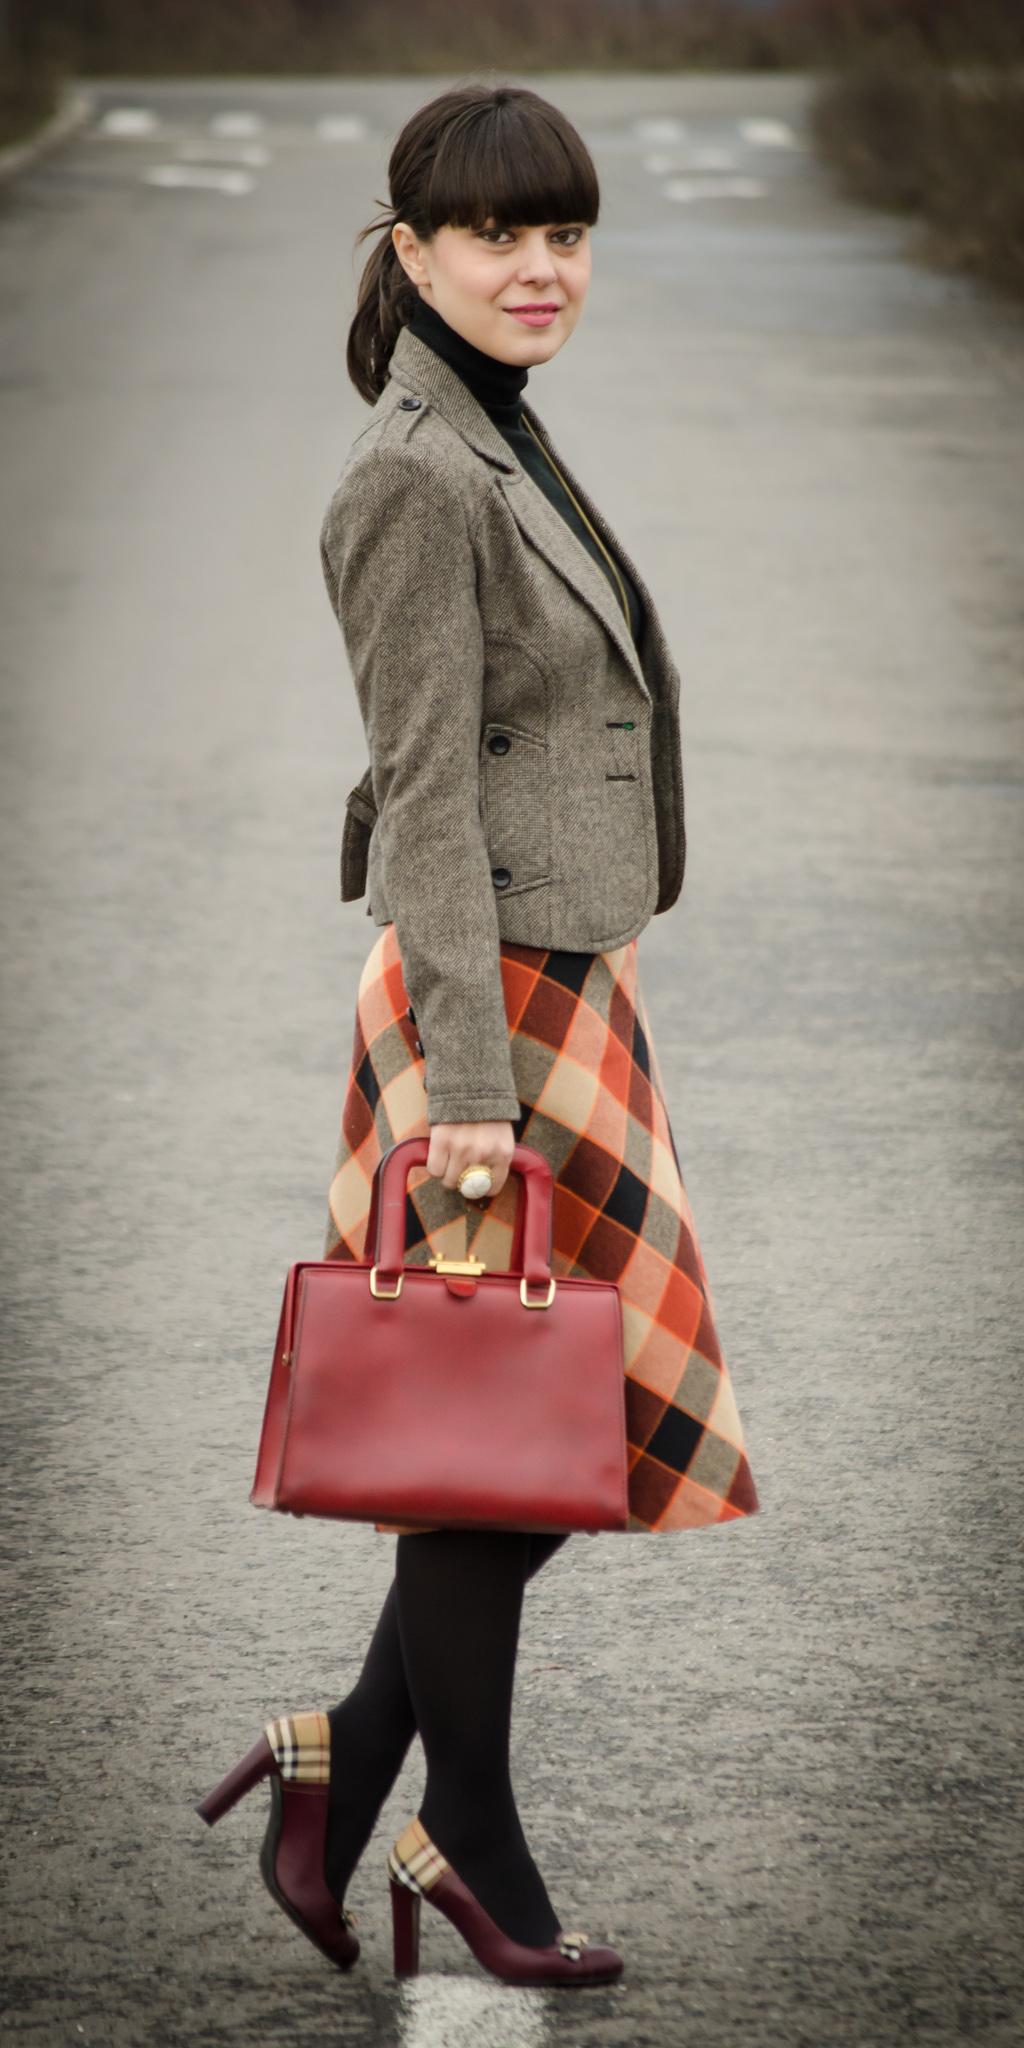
(476, 154)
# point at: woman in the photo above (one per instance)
(520, 822)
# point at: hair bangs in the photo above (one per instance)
(514, 162)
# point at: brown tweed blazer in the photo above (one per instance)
(525, 780)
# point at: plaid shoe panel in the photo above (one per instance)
(415, 1862)
(302, 1748)
(592, 1102)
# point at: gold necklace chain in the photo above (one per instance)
(571, 495)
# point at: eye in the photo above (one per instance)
(568, 238)
(498, 238)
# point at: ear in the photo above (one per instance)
(409, 250)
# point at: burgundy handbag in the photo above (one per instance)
(445, 1395)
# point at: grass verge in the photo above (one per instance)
(948, 147)
(26, 104)
(154, 37)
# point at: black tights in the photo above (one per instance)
(442, 1661)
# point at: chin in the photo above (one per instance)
(534, 347)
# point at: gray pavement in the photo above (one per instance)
(780, 1762)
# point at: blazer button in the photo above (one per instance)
(409, 404)
(499, 743)
(501, 877)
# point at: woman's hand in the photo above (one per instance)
(453, 1147)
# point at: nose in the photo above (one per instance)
(537, 265)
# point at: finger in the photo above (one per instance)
(455, 1163)
(439, 1155)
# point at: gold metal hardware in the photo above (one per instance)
(570, 1945)
(525, 1299)
(382, 1293)
(465, 1269)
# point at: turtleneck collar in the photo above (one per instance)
(497, 387)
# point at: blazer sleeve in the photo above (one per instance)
(399, 552)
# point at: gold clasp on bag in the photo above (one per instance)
(383, 1293)
(463, 1269)
(527, 1303)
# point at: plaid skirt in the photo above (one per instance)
(591, 1101)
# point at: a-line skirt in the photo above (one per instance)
(591, 1101)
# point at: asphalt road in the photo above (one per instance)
(780, 1761)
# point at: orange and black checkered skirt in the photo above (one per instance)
(591, 1101)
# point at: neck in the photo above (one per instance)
(497, 387)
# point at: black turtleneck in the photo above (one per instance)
(498, 388)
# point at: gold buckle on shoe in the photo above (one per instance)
(571, 1946)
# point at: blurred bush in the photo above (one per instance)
(201, 36)
(27, 100)
(98, 36)
(946, 145)
(29, 70)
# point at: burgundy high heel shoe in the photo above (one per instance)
(295, 1754)
(418, 1871)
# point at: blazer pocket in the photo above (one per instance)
(515, 805)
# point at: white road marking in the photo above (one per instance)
(768, 134)
(237, 127)
(190, 178)
(341, 128)
(687, 191)
(251, 155)
(656, 134)
(460, 2012)
(126, 123)
(662, 161)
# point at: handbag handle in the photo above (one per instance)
(386, 1225)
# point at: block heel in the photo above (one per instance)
(258, 1764)
(295, 1754)
(405, 1924)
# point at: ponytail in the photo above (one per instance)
(387, 298)
(475, 154)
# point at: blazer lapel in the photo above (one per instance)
(416, 368)
(537, 519)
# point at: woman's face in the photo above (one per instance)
(515, 293)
